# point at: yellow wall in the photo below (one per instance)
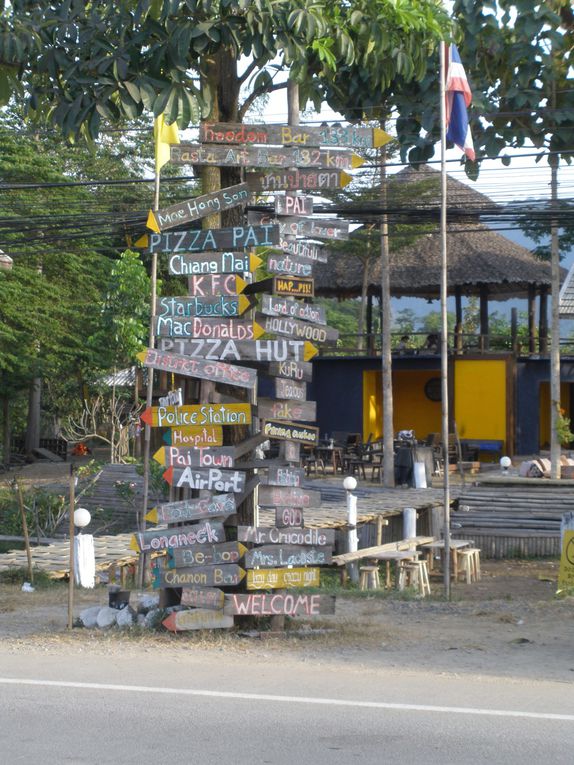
(412, 409)
(544, 411)
(480, 399)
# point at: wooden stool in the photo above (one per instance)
(369, 579)
(414, 574)
(315, 464)
(470, 564)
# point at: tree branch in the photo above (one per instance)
(255, 94)
(251, 68)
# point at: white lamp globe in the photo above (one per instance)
(350, 483)
(505, 463)
(82, 517)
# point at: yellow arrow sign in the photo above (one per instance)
(258, 331)
(357, 161)
(345, 178)
(152, 515)
(380, 138)
(152, 222)
(143, 241)
(254, 262)
(309, 351)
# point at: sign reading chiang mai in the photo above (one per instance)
(199, 240)
(244, 350)
(198, 207)
(219, 505)
(197, 414)
(218, 371)
(181, 264)
(351, 136)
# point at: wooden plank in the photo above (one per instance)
(207, 329)
(282, 578)
(198, 597)
(197, 619)
(285, 476)
(292, 370)
(265, 604)
(202, 576)
(206, 532)
(271, 556)
(182, 264)
(289, 389)
(288, 517)
(47, 454)
(218, 371)
(210, 306)
(198, 207)
(351, 136)
(293, 180)
(208, 479)
(282, 263)
(292, 309)
(262, 535)
(293, 204)
(189, 456)
(292, 451)
(286, 409)
(220, 505)
(248, 445)
(302, 330)
(290, 431)
(311, 251)
(206, 555)
(194, 435)
(366, 552)
(261, 156)
(198, 240)
(197, 414)
(289, 496)
(285, 286)
(205, 285)
(242, 350)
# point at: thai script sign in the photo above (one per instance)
(208, 532)
(292, 180)
(280, 578)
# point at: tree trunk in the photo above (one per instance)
(387, 360)
(33, 426)
(6, 430)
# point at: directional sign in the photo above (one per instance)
(193, 435)
(262, 535)
(201, 576)
(207, 555)
(304, 250)
(197, 597)
(210, 479)
(185, 456)
(246, 350)
(220, 505)
(284, 286)
(302, 330)
(265, 604)
(293, 370)
(252, 156)
(207, 532)
(290, 389)
(287, 517)
(219, 371)
(323, 228)
(290, 431)
(207, 329)
(293, 204)
(270, 556)
(285, 409)
(197, 619)
(282, 578)
(285, 476)
(201, 286)
(282, 263)
(292, 309)
(292, 180)
(352, 136)
(198, 240)
(288, 496)
(180, 264)
(205, 307)
(198, 207)
(197, 414)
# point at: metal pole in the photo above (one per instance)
(72, 551)
(555, 446)
(25, 532)
(352, 537)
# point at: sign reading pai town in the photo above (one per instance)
(197, 414)
(218, 371)
(198, 240)
(185, 456)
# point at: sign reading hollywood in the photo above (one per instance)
(292, 309)
(270, 556)
(264, 535)
(292, 180)
(219, 505)
(293, 370)
(185, 456)
(246, 350)
(288, 496)
(264, 604)
(218, 371)
(286, 409)
(197, 414)
(181, 264)
(198, 207)
(208, 479)
(210, 306)
(302, 330)
(290, 431)
(193, 435)
(208, 532)
(352, 136)
(206, 555)
(220, 329)
(199, 240)
(282, 578)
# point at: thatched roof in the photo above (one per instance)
(477, 256)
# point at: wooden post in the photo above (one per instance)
(72, 486)
(531, 319)
(25, 532)
(484, 328)
(543, 321)
(514, 330)
(6, 432)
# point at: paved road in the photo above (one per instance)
(212, 707)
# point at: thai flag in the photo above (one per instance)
(458, 99)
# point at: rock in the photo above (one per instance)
(147, 603)
(89, 616)
(125, 618)
(154, 618)
(141, 620)
(106, 617)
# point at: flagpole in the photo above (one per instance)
(444, 320)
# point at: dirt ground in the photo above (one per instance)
(509, 624)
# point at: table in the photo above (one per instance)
(454, 546)
(332, 454)
(394, 555)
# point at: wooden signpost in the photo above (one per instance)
(302, 330)
(290, 431)
(271, 556)
(284, 476)
(206, 555)
(265, 604)
(304, 250)
(211, 306)
(192, 435)
(208, 479)
(283, 263)
(207, 329)
(293, 180)
(290, 389)
(199, 240)
(200, 576)
(293, 204)
(181, 264)
(218, 371)
(185, 456)
(244, 350)
(264, 535)
(287, 409)
(353, 136)
(252, 156)
(197, 414)
(217, 506)
(197, 619)
(288, 517)
(206, 532)
(322, 228)
(280, 578)
(285, 286)
(197, 597)
(293, 370)
(292, 309)
(205, 285)
(198, 207)
(290, 496)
